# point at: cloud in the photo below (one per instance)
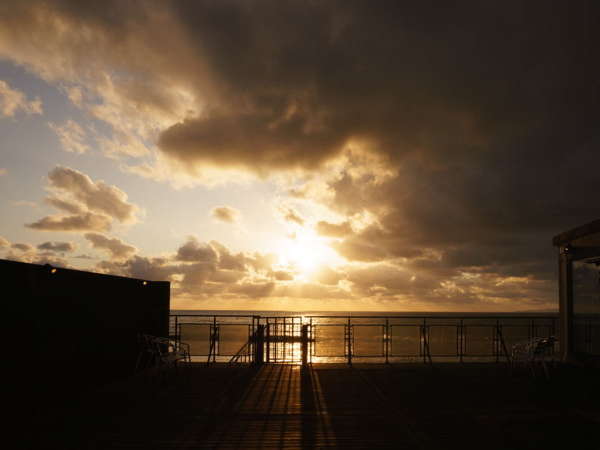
(228, 260)
(223, 140)
(38, 258)
(375, 243)
(95, 196)
(291, 215)
(114, 246)
(28, 253)
(61, 247)
(202, 270)
(81, 222)
(90, 205)
(83, 256)
(333, 229)
(71, 136)
(253, 290)
(211, 272)
(326, 275)
(282, 275)
(65, 205)
(122, 144)
(483, 117)
(23, 247)
(193, 250)
(13, 101)
(3, 171)
(226, 214)
(155, 269)
(232, 86)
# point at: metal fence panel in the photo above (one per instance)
(443, 340)
(478, 340)
(515, 334)
(329, 340)
(368, 340)
(405, 340)
(197, 335)
(232, 338)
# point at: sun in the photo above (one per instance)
(305, 252)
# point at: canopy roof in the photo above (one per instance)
(587, 235)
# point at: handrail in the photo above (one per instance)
(245, 350)
(234, 359)
(458, 316)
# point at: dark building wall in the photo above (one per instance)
(80, 328)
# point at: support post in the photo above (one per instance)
(386, 342)
(565, 286)
(216, 338)
(259, 345)
(349, 341)
(268, 342)
(304, 338)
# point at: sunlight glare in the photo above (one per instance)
(306, 253)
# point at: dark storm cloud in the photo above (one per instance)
(289, 84)
(488, 112)
(298, 81)
(279, 85)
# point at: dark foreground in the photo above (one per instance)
(367, 406)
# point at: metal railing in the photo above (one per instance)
(393, 338)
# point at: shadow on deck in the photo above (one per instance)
(369, 406)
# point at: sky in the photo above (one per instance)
(302, 155)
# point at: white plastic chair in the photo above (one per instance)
(536, 351)
(170, 351)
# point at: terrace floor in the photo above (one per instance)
(405, 406)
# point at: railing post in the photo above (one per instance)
(497, 346)
(387, 340)
(304, 338)
(268, 342)
(461, 340)
(424, 339)
(349, 342)
(216, 338)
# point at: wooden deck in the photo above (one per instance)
(327, 406)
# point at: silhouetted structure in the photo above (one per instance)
(579, 287)
(79, 328)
